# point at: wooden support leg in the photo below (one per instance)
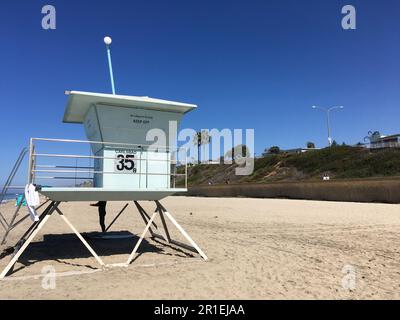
(146, 218)
(141, 238)
(35, 224)
(21, 250)
(188, 238)
(144, 214)
(80, 237)
(28, 215)
(160, 210)
(116, 217)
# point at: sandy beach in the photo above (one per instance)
(257, 249)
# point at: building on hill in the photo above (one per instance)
(378, 141)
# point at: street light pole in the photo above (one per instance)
(107, 41)
(328, 121)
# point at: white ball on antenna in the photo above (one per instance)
(107, 40)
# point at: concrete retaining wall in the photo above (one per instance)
(387, 191)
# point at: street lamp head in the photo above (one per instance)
(314, 107)
(107, 40)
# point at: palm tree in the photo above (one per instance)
(201, 138)
(197, 141)
(372, 136)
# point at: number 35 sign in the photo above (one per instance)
(125, 161)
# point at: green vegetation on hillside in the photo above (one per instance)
(340, 162)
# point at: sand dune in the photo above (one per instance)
(258, 249)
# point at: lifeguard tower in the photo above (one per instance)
(124, 165)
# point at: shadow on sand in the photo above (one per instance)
(63, 248)
(67, 246)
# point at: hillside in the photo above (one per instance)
(340, 162)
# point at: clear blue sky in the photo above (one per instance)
(247, 64)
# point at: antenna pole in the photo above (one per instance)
(107, 41)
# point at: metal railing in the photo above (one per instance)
(8, 184)
(88, 172)
(382, 145)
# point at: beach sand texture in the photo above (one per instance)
(257, 249)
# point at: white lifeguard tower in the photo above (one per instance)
(125, 167)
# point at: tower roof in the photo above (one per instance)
(79, 103)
